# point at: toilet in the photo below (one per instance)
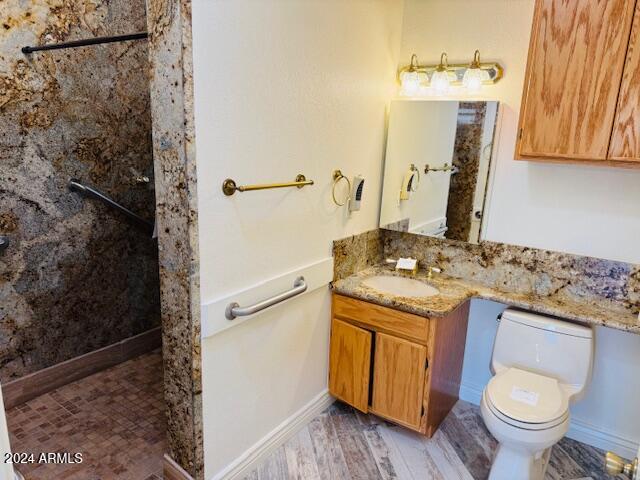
(541, 366)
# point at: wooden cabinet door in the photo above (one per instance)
(576, 57)
(625, 139)
(349, 364)
(399, 370)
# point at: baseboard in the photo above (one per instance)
(38, 383)
(172, 471)
(250, 459)
(601, 438)
(579, 429)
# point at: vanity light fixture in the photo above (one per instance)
(440, 78)
(415, 77)
(474, 76)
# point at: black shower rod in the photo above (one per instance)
(86, 42)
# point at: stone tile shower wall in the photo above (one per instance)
(466, 156)
(170, 53)
(76, 277)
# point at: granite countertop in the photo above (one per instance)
(455, 291)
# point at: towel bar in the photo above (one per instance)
(229, 186)
(445, 168)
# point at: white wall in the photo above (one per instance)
(584, 210)
(281, 87)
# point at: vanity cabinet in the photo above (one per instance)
(403, 367)
(581, 99)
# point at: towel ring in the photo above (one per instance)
(337, 176)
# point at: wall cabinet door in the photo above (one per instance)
(349, 364)
(576, 58)
(399, 371)
(625, 140)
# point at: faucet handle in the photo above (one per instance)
(433, 270)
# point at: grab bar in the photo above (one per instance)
(234, 310)
(85, 42)
(76, 186)
(229, 186)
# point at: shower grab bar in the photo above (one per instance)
(86, 42)
(234, 310)
(76, 186)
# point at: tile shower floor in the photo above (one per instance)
(344, 444)
(115, 418)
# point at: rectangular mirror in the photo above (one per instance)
(437, 167)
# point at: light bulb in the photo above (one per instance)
(474, 76)
(472, 79)
(440, 78)
(440, 82)
(410, 83)
(411, 78)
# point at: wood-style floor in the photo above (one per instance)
(344, 444)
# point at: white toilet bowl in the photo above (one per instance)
(525, 434)
(541, 365)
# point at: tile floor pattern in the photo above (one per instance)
(344, 444)
(115, 418)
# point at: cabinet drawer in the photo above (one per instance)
(382, 319)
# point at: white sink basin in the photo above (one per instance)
(400, 286)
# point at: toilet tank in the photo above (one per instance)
(544, 345)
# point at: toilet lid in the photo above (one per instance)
(527, 397)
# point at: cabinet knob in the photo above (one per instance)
(615, 465)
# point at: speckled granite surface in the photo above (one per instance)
(77, 276)
(594, 291)
(170, 51)
(355, 253)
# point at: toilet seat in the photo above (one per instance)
(527, 400)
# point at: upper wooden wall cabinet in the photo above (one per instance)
(581, 100)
